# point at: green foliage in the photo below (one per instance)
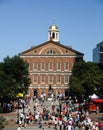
(14, 77)
(86, 79)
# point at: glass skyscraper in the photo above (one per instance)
(98, 53)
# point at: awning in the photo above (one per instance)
(98, 100)
(94, 96)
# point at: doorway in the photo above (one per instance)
(35, 93)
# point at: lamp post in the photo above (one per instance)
(18, 110)
(60, 106)
(23, 108)
(18, 97)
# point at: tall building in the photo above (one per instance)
(50, 65)
(98, 53)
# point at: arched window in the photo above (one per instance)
(51, 52)
(53, 35)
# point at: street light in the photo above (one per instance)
(60, 106)
(18, 96)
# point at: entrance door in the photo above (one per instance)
(66, 93)
(35, 93)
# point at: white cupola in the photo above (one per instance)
(53, 33)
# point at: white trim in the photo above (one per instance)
(50, 63)
(57, 79)
(49, 79)
(47, 87)
(36, 78)
(42, 65)
(65, 65)
(54, 73)
(36, 66)
(48, 47)
(46, 56)
(42, 76)
(65, 79)
(58, 66)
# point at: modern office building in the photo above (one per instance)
(50, 65)
(98, 53)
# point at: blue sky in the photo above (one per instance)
(25, 23)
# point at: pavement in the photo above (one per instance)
(29, 128)
(12, 118)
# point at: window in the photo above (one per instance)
(56, 35)
(53, 35)
(58, 79)
(50, 66)
(35, 66)
(66, 51)
(58, 66)
(51, 52)
(50, 79)
(101, 48)
(67, 66)
(66, 79)
(35, 78)
(35, 51)
(42, 78)
(42, 66)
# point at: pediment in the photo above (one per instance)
(50, 48)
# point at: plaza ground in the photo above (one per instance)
(12, 118)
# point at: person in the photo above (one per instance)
(27, 119)
(69, 127)
(40, 123)
(50, 122)
(25, 122)
(101, 125)
(31, 118)
(56, 122)
(21, 117)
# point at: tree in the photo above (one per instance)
(14, 77)
(92, 78)
(75, 84)
(85, 80)
(75, 90)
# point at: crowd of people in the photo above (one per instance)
(68, 117)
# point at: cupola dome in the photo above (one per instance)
(53, 33)
(53, 27)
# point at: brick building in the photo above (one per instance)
(50, 65)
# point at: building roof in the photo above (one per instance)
(53, 27)
(100, 44)
(56, 43)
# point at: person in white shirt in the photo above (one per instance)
(56, 122)
(69, 127)
(21, 117)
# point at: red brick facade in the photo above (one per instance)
(50, 64)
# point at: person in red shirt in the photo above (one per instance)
(101, 125)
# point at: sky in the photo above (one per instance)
(25, 23)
